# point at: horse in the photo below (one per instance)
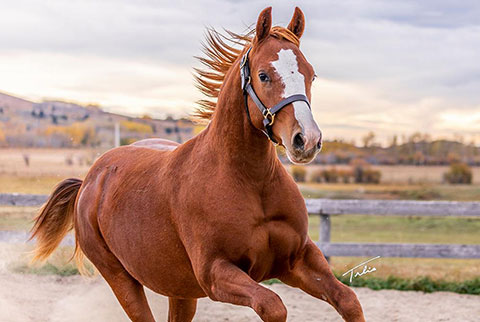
(218, 214)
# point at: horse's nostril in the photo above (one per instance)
(299, 141)
(319, 144)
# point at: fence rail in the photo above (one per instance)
(325, 208)
(18, 199)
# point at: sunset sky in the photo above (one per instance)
(386, 66)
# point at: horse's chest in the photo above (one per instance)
(274, 245)
(285, 237)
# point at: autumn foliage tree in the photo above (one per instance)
(136, 127)
(79, 133)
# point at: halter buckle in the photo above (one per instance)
(270, 117)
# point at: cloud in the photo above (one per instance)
(121, 85)
(385, 65)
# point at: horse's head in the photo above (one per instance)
(278, 70)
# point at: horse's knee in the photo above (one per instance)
(270, 307)
(225, 282)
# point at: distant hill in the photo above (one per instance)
(24, 123)
(10, 103)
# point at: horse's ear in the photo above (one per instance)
(264, 23)
(297, 24)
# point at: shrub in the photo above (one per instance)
(298, 173)
(127, 141)
(345, 175)
(371, 176)
(317, 176)
(330, 175)
(421, 283)
(458, 173)
(358, 167)
(362, 173)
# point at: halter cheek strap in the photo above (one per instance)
(268, 114)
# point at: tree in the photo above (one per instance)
(394, 141)
(368, 139)
(415, 137)
(136, 127)
(79, 133)
(419, 158)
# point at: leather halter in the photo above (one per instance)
(268, 114)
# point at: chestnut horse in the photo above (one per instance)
(218, 214)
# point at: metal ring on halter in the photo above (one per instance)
(270, 117)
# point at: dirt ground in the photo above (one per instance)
(25, 298)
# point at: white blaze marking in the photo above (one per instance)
(294, 83)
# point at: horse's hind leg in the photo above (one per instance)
(181, 310)
(129, 292)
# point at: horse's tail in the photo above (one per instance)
(55, 219)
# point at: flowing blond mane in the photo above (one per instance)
(221, 51)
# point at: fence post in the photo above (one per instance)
(325, 226)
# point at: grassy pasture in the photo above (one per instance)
(391, 191)
(382, 229)
(46, 162)
(46, 168)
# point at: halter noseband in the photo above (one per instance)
(268, 114)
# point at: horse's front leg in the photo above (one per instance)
(225, 282)
(312, 274)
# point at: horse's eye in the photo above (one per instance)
(263, 77)
(314, 77)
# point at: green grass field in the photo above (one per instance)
(382, 229)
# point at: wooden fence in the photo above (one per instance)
(325, 208)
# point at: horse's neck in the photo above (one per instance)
(232, 136)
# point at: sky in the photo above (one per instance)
(391, 67)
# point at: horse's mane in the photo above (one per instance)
(222, 50)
